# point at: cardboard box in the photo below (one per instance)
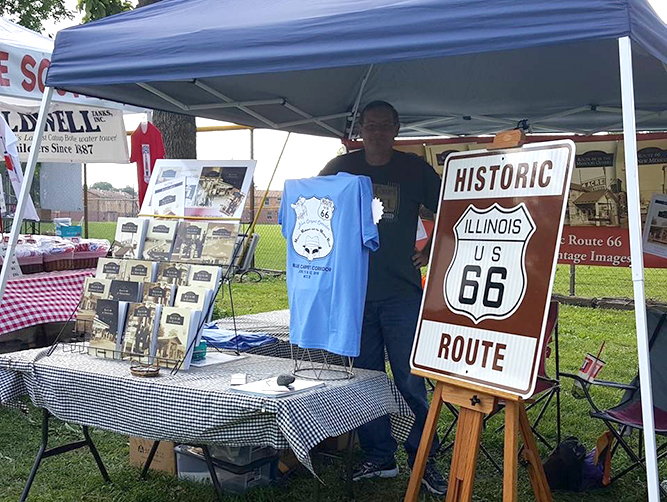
(164, 459)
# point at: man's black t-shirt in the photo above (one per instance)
(402, 185)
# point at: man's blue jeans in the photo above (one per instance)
(391, 324)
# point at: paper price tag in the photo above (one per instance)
(14, 268)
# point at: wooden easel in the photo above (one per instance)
(476, 402)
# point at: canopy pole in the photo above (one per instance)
(355, 109)
(25, 188)
(85, 200)
(637, 257)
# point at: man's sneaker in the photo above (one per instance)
(433, 480)
(374, 470)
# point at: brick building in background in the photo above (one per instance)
(106, 205)
(269, 214)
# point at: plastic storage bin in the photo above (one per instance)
(240, 455)
(190, 465)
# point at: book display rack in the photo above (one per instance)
(152, 295)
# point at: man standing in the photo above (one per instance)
(403, 182)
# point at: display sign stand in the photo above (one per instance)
(474, 406)
(475, 403)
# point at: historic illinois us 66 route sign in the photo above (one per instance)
(492, 264)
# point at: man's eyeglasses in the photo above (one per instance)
(381, 126)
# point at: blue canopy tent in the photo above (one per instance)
(450, 67)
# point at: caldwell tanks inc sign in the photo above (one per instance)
(72, 133)
(494, 256)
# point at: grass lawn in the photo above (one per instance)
(74, 476)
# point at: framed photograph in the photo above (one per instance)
(213, 188)
(655, 227)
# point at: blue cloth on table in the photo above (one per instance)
(229, 340)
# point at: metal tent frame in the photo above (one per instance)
(629, 122)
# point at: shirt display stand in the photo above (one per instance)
(318, 364)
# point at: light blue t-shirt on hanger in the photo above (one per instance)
(328, 224)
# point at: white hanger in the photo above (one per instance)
(144, 126)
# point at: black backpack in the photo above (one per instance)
(564, 467)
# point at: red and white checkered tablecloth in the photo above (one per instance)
(41, 298)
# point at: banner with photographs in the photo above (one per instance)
(597, 209)
(655, 229)
(210, 189)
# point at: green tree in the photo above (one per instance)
(97, 9)
(129, 190)
(103, 185)
(31, 13)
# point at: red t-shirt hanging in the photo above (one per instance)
(147, 147)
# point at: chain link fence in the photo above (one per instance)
(608, 282)
(582, 281)
(271, 251)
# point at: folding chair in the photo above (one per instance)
(626, 416)
(546, 388)
(243, 262)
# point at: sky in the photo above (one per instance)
(304, 155)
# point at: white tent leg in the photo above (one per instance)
(637, 256)
(25, 187)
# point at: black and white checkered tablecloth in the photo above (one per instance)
(276, 323)
(196, 406)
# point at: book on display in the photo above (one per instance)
(205, 276)
(219, 242)
(158, 293)
(125, 291)
(176, 336)
(129, 238)
(110, 268)
(94, 289)
(107, 332)
(193, 297)
(140, 270)
(173, 273)
(189, 241)
(141, 328)
(160, 237)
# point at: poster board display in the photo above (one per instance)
(655, 229)
(487, 294)
(596, 223)
(436, 154)
(207, 189)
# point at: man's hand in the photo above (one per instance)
(420, 258)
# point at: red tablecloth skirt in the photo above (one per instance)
(41, 298)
